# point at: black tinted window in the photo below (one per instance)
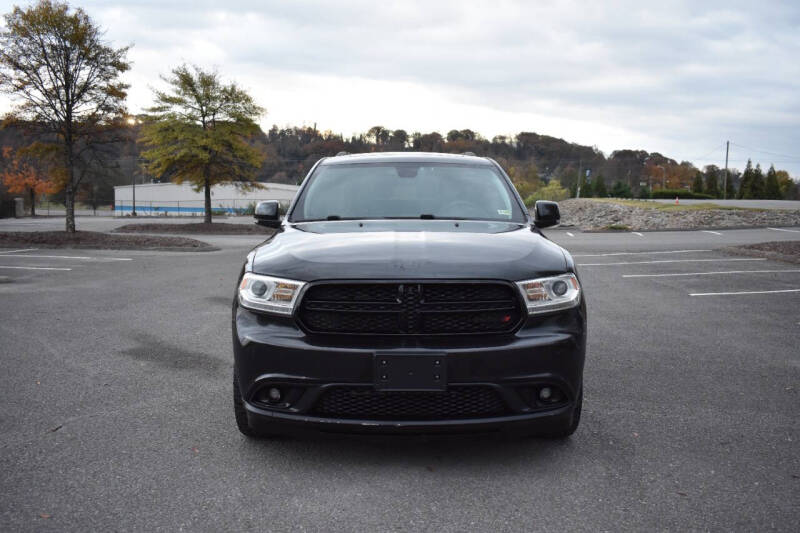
(407, 190)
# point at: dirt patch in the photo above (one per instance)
(197, 228)
(787, 251)
(101, 241)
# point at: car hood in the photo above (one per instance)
(418, 249)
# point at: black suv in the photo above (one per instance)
(408, 292)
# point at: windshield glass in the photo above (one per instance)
(407, 190)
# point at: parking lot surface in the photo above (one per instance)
(115, 386)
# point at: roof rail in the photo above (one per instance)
(342, 153)
(468, 153)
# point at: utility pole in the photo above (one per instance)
(725, 178)
(578, 185)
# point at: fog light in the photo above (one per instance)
(274, 395)
(545, 394)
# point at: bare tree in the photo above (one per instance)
(65, 76)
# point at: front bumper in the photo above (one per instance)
(272, 352)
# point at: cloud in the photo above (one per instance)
(676, 77)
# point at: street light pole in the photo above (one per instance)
(663, 176)
(132, 121)
(133, 183)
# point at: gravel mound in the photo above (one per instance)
(591, 215)
(101, 241)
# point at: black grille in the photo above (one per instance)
(369, 404)
(410, 308)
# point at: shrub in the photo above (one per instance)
(553, 192)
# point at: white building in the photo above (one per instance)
(174, 199)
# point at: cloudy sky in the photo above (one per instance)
(680, 78)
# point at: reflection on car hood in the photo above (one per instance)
(408, 249)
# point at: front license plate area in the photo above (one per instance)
(410, 372)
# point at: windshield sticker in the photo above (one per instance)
(506, 212)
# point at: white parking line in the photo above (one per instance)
(33, 268)
(74, 257)
(743, 292)
(711, 232)
(789, 230)
(668, 261)
(637, 233)
(704, 273)
(640, 253)
(570, 234)
(17, 251)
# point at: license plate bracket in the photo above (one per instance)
(410, 372)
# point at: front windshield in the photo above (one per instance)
(407, 190)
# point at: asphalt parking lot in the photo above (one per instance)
(116, 414)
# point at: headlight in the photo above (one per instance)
(265, 293)
(544, 295)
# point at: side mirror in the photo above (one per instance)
(546, 214)
(268, 214)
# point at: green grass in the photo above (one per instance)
(672, 207)
(618, 227)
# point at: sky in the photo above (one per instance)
(679, 78)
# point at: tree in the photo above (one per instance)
(587, 189)
(56, 63)
(757, 185)
(600, 187)
(746, 184)
(198, 132)
(21, 175)
(786, 184)
(553, 191)
(378, 135)
(730, 187)
(697, 184)
(399, 139)
(712, 185)
(771, 188)
(621, 190)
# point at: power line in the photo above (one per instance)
(793, 157)
(718, 147)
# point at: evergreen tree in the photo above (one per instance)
(746, 184)
(712, 187)
(730, 189)
(621, 190)
(771, 188)
(758, 185)
(587, 189)
(697, 185)
(600, 187)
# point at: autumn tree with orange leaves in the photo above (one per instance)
(22, 175)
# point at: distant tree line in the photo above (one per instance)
(532, 161)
